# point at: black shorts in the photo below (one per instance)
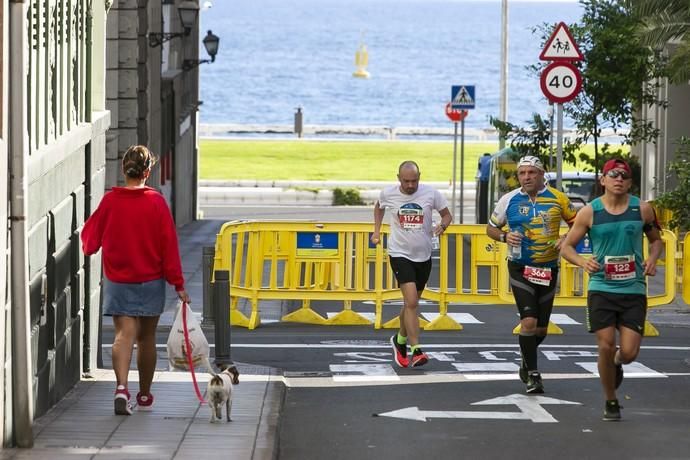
(605, 309)
(532, 300)
(407, 271)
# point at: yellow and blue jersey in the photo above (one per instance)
(539, 222)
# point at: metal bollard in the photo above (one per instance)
(208, 252)
(221, 307)
(299, 125)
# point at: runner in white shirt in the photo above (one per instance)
(409, 249)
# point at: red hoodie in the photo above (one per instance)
(138, 236)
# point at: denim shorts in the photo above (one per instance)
(133, 299)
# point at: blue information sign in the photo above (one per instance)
(317, 244)
(462, 97)
(584, 246)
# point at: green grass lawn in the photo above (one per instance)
(334, 160)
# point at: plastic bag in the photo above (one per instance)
(198, 343)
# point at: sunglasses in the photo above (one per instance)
(614, 173)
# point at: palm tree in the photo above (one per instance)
(667, 22)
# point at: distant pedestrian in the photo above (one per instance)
(617, 291)
(409, 249)
(533, 214)
(135, 229)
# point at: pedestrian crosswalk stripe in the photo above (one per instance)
(363, 372)
(561, 318)
(486, 367)
(635, 369)
(462, 318)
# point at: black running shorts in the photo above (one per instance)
(407, 271)
(605, 309)
(532, 300)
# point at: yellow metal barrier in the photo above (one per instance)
(306, 261)
(473, 252)
(303, 261)
(686, 270)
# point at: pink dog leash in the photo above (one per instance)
(188, 352)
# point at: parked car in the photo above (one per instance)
(579, 186)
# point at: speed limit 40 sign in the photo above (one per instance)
(560, 82)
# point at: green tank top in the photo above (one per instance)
(617, 246)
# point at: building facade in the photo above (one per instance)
(152, 99)
(55, 123)
(79, 83)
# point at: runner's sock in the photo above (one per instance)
(528, 347)
(413, 348)
(540, 339)
(400, 339)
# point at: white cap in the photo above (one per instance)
(530, 160)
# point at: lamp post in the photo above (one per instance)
(503, 104)
(210, 42)
(188, 12)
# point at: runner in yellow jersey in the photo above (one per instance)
(533, 215)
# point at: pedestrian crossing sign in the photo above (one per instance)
(462, 97)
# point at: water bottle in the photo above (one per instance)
(515, 251)
(435, 241)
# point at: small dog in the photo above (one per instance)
(219, 391)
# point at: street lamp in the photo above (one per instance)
(503, 105)
(210, 42)
(188, 12)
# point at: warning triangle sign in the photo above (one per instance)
(561, 46)
(463, 97)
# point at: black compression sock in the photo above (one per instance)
(528, 347)
(540, 339)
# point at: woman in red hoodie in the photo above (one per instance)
(135, 229)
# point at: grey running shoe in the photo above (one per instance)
(612, 411)
(619, 375)
(523, 372)
(534, 384)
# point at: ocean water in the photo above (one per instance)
(276, 55)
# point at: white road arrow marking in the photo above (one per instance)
(530, 409)
(413, 413)
(529, 405)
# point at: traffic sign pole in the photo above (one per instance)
(455, 156)
(462, 98)
(559, 142)
(462, 166)
(560, 82)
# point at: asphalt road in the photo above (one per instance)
(346, 398)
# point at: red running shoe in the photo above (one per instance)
(144, 402)
(122, 404)
(419, 358)
(399, 352)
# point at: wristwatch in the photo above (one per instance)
(502, 238)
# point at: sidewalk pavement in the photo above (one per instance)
(82, 425)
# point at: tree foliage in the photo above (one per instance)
(677, 200)
(665, 21)
(535, 139)
(619, 76)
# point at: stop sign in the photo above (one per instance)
(454, 114)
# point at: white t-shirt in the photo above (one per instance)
(411, 220)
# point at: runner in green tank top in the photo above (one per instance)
(617, 291)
